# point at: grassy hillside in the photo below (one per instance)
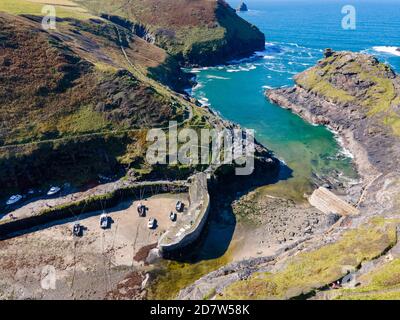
(49, 91)
(203, 32)
(382, 283)
(64, 8)
(309, 271)
(357, 79)
(77, 101)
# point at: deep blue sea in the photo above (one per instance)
(296, 32)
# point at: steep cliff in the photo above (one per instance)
(196, 32)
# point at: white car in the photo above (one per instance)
(152, 223)
(173, 216)
(104, 221)
(53, 191)
(180, 206)
(13, 199)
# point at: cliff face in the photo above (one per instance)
(199, 32)
(355, 93)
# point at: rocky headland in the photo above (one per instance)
(195, 33)
(358, 97)
(242, 7)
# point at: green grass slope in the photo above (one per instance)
(73, 104)
(310, 271)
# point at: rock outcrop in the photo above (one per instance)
(356, 95)
(242, 7)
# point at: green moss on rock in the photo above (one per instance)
(359, 79)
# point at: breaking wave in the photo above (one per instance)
(386, 49)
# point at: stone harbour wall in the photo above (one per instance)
(191, 223)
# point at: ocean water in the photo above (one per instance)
(296, 32)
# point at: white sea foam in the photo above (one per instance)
(204, 101)
(197, 86)
(282, 162)
(386, 49)
(249, 68)
(217, 77)
(267, 87)
(343, 150)
(275, 70)
(246, 68)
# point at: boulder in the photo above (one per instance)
(328, 52)
(242, 7)
(153, 256)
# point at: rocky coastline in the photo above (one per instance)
(373, 144)
(336, 93)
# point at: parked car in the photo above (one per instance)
(77, 230)
(152, 223)
(104, 221)
(53, 191)
(141, 208)
(14, 199)
(180, 206)
(173, 216)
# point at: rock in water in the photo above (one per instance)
(242, 7)
(398, 49)
(328, 52)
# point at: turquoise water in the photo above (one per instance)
(296, 33)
